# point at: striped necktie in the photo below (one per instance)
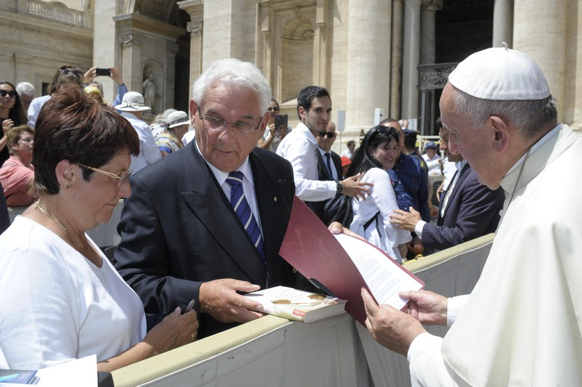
(243, 211)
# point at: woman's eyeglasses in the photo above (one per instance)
(122, 179)
(10, 93)
(273, 109)
(328, 134)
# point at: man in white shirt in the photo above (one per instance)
(299, 147)
(522, 324)
(432, 159)
(132, 108)
(349, 153)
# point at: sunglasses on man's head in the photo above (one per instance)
(328, 134)
(10, 93)
(76, 72)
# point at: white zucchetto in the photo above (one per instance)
(500, 74)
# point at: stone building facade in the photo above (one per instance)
(367, 53)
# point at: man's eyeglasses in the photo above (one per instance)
(273, 109)
(328, 134)
(122, 179)
(76, 72)
(217, 123)
(10, 93)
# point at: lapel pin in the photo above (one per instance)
(275, 199)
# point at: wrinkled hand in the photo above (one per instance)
(427, 307)
(390, 327)
(115, 76)
(338, 228)
(173, 332)
(220, 299)
(353, 188)
(7, 124)
(405, 220)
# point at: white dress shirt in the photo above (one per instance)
(248, 185)
(298, 147)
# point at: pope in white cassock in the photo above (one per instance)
(522, 324)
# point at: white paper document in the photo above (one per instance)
(384, 276)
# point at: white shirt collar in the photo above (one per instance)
(323, 151)
(221, 176)
(302, 127)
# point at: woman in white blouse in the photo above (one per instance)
(372, 160)
(60, 297)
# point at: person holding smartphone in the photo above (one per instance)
(110, 72)
(277, 128)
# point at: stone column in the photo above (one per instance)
(131, 47)
(503, 23)
(411, 59)
(427, 30)
(106, 50)
(540, 31)
(396, 65)
(428, 56)
(263, 55)
(319, 46)
(368, 75)
(223, 31)
(195, 9)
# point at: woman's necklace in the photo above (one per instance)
(58, 224)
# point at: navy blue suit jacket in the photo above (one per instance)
(472, 211)
(179, 230)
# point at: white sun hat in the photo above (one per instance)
(132, 102)
(177, 118)
(500, 74)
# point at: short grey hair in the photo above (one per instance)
(25, 88)
(233, 72)
(531, 117)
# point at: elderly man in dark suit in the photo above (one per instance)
(206, 223)
(468, 209)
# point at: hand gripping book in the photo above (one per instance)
(296, 304)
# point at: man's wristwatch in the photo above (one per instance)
(339, 188)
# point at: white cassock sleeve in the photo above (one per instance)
(426, 364)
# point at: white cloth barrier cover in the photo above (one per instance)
(273, 352)
(332, 352)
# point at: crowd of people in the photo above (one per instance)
(208, 196)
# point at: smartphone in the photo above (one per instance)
(281, 119)
(105, 72)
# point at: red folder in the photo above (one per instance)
(314, 251)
